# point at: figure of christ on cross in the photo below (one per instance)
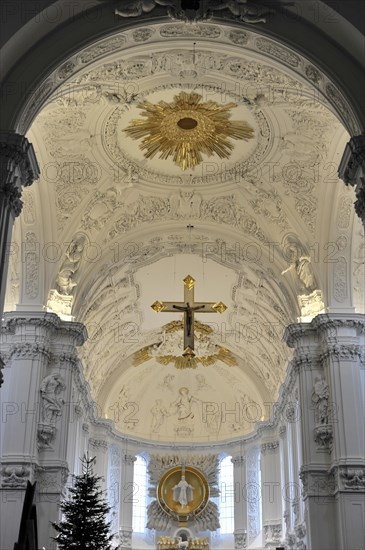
(189, 307)
(189, 315)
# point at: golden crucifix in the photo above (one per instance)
(189, 307)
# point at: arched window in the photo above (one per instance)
(139, 495)
(226, 497)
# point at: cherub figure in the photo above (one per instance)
(135, 8)
(239, 8)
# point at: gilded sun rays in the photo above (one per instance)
(186, 128)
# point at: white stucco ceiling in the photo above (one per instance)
(252, 216)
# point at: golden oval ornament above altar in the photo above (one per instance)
(183, 492)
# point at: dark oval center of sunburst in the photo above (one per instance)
(187, 123)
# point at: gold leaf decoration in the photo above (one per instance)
(186, 128)
(187, 361)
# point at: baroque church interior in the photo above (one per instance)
(206, 159)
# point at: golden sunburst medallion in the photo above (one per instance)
(186, 128)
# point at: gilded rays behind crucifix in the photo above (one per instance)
(186, 128)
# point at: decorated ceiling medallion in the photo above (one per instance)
(186, 128)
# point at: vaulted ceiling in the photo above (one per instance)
(252, 229)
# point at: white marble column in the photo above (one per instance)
(26, 343)
(327, 362)
(316, 438)
(53, 447)
(41, 358)
(114, 476)
(343, 351)
(18, 168)
(286, 493)
(240, 502)
(271, 491)
(126, 501)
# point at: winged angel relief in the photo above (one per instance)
(244, 10)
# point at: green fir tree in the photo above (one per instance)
(84, 524)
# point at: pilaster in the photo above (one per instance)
(253, 494)
(98, 448)
(126, 501)
(285, 478)
(271, 491)
(114, 477)
(240, 502)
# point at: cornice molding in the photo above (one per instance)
(321, 324)
(47, 321)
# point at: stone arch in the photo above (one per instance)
(31, 72)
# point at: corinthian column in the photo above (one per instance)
(327, 360)
(18, 169)
(352, 171)
(126, 502)
(271, 494)
(37, 421)
(342, 358)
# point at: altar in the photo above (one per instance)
(175, 543)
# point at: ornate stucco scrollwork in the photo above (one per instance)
(240, 540)
(125, 539)
(14, 476)
(353, 478)
(272, 533)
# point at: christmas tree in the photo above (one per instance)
(84, 525)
